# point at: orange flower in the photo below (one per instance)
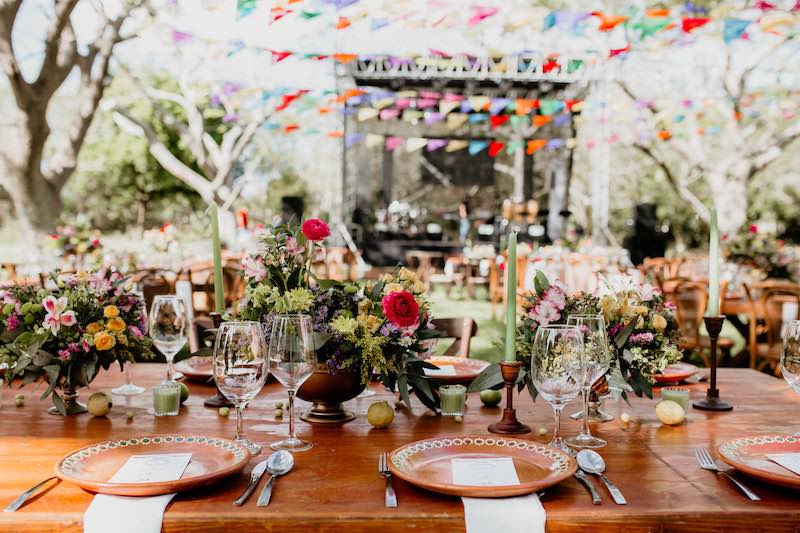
(116, 325)
(104, 341)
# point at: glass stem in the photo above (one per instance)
(239, 423)
(291, 415)
(585, 426)
(169, 368)
(557, 430)
(128, 373)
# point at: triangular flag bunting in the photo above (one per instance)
(476, 147)
(415, 143)
(388, 114)
(495, 147)
(446, 107)
(535, 144)
(456, 120)
(344, 58)
(435, 144)
(497, 121)
(277, 56)
(541, 120)
(393, 142)
(513, 146)
(479, 103)
(374, 140)
(475, 118)
(454, 146)
(366, 113)
(689, 23)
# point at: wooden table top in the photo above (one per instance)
(335, 487)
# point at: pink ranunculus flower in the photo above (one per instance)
(254, 269)
(315, 229)
(13, 322)
(135, 332)
(57, 314)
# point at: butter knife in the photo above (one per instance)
(580, 475)
(255, 476)
(22, 498)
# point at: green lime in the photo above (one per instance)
(491, 398)
(184, 392)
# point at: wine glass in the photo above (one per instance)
(129, 388)
(169, 326)
(595, 360)
(240, 369)
(292, 360)
(790, 357)
(555, 361)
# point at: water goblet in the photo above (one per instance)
(555, 360)
(595, 360)
(292, 360)
(169, 327)
(240, 369)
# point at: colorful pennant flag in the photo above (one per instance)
(393, 142)
(476, 147)
(688, 23)
(456, 120)
(498, 120)
(367, 113)
(534, 145)
(244, 8)
(495, 147)
(733, 29)
(435, 144)
(454, 146)
(415, 143)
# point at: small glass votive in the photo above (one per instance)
(677, 395)
(452, 398)
(167, 398)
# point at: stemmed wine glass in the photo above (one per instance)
(240, 369)
(595, 360)
(292, 360)
(790, 357)
(555, 361)
(129, 388)
(169, 327)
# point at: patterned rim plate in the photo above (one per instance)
(676, 373)
(212, 459)
(426, 463)
(465, 369)
(197, 368)
(749, 456)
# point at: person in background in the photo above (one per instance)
(464, 223)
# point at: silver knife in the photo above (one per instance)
(266, 492)
(580, 475)
(16, 504)
(255, 476)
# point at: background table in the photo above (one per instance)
(335, 487)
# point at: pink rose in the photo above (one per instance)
(135, 332)
(315, 229)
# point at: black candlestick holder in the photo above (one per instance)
(712, 401)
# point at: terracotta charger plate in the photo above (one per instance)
(465, 369)
(749, 455)
(197, 368)
(213, 458)
(676, 373)
(427, 464)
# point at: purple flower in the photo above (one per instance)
(615, 329)
(135, 332)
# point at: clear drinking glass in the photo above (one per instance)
(790, 357)
(292, 360)
(595, 360)
(169, 326)
(240, 369)
(555, 361)
(129, 388)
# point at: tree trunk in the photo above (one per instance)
(729, 193)
(37, 203)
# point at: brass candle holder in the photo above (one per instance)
(509, 425)
(218, 400)
(712, 401)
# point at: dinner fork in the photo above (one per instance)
(705, 461)
(383, 469)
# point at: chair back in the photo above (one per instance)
(152, 283)
(780, 302)
(690, 299)
(461, 330)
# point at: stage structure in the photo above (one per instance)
(429, 128)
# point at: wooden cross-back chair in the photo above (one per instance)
(775, 295)
(690, 299)
(153, 282)
(461, 330)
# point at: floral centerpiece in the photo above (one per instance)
(762, 250)
(66, 334)
(641, 326)
(76, 240)
(376, 329)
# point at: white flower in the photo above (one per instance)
(254, 269)
(544, 313)
(647, 292)
(405, 342)
(57, 315)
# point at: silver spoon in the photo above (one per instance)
(278, 464)
(592, 462)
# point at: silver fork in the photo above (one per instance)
(383, 469)
(705, 461)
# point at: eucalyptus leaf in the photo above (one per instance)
(540, 282)
(489, 378)
(42, 358)
(59, 403)
(402, 387)
(622, 336)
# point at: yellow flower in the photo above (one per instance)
(116, 324)
(104, 341)
(93, 328)
(393, 287)
(419, 287)
(658, 322)
(609, 307)
(111, 311)
(408, 275)
(386, 278)
(364, 306)
(371, 322)
(641, 310)
(640, 323)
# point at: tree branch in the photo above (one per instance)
(10, 66)
(60, 50)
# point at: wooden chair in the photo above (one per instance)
(774, 296)
(690, 299)
(153, 282)
(461, 330)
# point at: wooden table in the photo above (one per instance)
(335, 487)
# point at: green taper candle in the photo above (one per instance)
(511, 298)
(713, 266)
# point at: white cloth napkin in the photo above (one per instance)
(132, 514)
(520, 514)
